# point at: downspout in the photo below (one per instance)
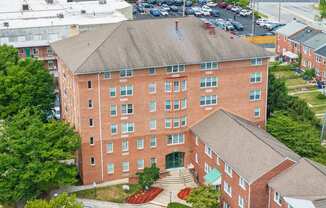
(100, 119)
(269, 197)
(249, 197)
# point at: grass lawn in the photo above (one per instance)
(110, 193)
(293, 82)
(311, 98)
(319, 109)
(286, 74)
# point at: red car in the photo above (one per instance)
(229, 7)
(222, 5)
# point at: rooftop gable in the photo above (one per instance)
(304, 35)
(316, 41)
(291, 28)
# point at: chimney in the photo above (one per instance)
(176, 25)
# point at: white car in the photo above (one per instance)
(165, 7)
(235, 9)
(206, 8)
(164, 12)
(197, 11)
(245, 12)
(206, 13)
(261, 21)
(211, 4)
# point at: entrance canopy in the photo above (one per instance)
(290, 55)
(213, 177)
(299, 203)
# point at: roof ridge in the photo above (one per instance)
(118, 26)
(243, 126)
(315, 166)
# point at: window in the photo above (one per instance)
(112, 91)
(176, 86)
(207, 82)
(255, 95)
(218, 161)
(176, 68)
(51, 65)
(127, 128)
(140, 144)
(153, 161)
(89, 84)
(318, 59)
(176, 123)
(277, 198)
(183, 85)
(226, 205)
(257, 112)
(152, 88)
(110, 168)
(126, 90)
(168, 86)
(207, 168)
(228, 170)
(175, 139)
(91, 140)
(114, 128)
(152, 106)
(140, 164)
(50, 51)
(242, 183)
(92, 161)
(125, 145)
(197, 141)
(109, 147)
(196, 158)
(184, 103)
(255, 77)
(289, 206)
(153, 142)
(127, 109)
(241, 202)
(256, 61)
(167, 105)
(183, 121)
(152, 124)
(90, 122)
(107, 75)
(209, 65)
(227, 189)
(168, 123)
(208, 150)
(151, 71)
(176, 105)
(208, 100)
(113, 110)
(126, 72)
(125, 166)
(305, 49)
(90, 103)
(35, 52)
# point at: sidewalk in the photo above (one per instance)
(104, 204)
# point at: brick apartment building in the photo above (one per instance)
(175, 92)
(297, 39)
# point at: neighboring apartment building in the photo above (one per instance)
(31, 25)
(133, 89)
(296, 39)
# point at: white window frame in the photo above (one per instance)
(113, 90)
(127, 128)
(257, 110)
(183, 85)
(168, 123)
(183, 121)
(242, 183)
(125, 164)
(125, 145)
(125, 109)
(153, 69)
(113, 110)
(110, 168)
(183, 103)
(153, 140)
(152, 106)
(178, 68)
(208, 150)
(208, 82)
(228, 169)
(168, 103)
(209, 65)
(109, 148)
(152, 124)
(114, 126)
(241, 202)
(208, 100)
(140, 164)
(196, 158)
(176, 139)
(277, 198)
(126, 90)
(227, 189)
(255, 77)
(256, 61)
(255, 95)
(152, 88)
(168, 86)
(125, 73)
(140, 144)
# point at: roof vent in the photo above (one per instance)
(102, 1)
(6, 24)
(49, 1)
(60, 15)
(25, 7)
(83, 11)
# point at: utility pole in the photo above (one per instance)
(322, 134)
(279, 10)
(184, 8)
(253, 17)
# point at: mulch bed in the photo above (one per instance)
(142, 197)
(184, 193)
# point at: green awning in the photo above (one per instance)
(213, 177)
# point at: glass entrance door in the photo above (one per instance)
(174, 160)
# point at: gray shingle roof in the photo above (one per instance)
(305, 180)
(249, 150)
(320, 203)
(316, 41)
(304, 35)
(152, 43)
(291, 28)
(321, 51)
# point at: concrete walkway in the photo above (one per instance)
(88, 203)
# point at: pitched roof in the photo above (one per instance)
(316, 41)
(249, 150)
(291, 28)
(321, 51)
(304, 35)
(305, 180)
(152, 43)
(320, 203)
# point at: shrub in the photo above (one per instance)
(148, 176)
(308, 74)
(176, 205)
(204, 197)
(321, 96)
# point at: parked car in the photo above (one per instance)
(237, 25)
(165, 7)
(211, 4)
(140, 8)
(155, 12)
(178, 2)
(222, 5)
(188, 3)
(189, 11)
(206, 12)
(197, 11)
(245, 12)
(206, 8)
(229, 7)
(170, 2)
(174, 8)
(151, 1)
(229, 26)
(164, 12)
(202, 2)
(147, 5)
(236, 9)
(215, 13)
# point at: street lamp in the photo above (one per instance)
(94, 185)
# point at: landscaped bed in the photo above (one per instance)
(142, 197)
(184, 193)
(110, 193)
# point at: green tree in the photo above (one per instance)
(243, 3)
(204, 197)
(322, 8)
(8, 55)
(25, 83)
(300, 136)
(148, 176)
(63, 200)
(34, 155)
(277, 94)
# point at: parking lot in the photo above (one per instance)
(245, 21)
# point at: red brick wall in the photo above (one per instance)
(273, 204)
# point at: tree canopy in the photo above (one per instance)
(204, 197)
(33, 156)
(23, 83)
(148, 176)
(63, 200)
